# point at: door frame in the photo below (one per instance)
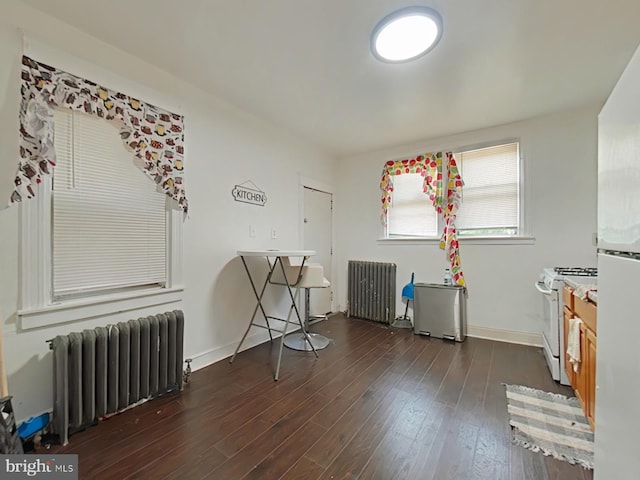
(305, 182)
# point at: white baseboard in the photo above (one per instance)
(509, 336)
(497, 334)
(208, 357)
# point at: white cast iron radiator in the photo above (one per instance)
(103, 371)
(372, 291)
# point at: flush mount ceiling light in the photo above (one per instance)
(406, 34)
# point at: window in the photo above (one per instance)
(101, 230)
(411, 214)
(108, 218)
(490, 198)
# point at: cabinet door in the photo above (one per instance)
(581, 374)
(568, 367)
(567, 297)
(590, 394)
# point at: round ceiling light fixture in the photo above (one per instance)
(406, 34)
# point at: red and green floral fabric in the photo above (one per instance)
(152, 134)
(443, 185)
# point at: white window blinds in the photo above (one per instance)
(411, 212)
(109, 221)
(490, 193)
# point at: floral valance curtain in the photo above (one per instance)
(153, 135)
(443, 184)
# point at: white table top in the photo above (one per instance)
(276, 253)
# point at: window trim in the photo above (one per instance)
(524, 235)
(515, 240)
(37, 306)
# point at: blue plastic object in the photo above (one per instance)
(407, 291)
(33, 425)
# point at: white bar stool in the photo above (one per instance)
(312, 277)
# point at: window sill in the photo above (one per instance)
(520, 240)
(81, 309)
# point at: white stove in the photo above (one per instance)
(550, 286)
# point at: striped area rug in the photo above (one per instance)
(550, 423)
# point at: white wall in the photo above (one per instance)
(224, 147)
(559, 154)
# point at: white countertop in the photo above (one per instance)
(276, 253)
(575, 282)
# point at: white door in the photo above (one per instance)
(317, 236)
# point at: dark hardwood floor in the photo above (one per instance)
(379, 403)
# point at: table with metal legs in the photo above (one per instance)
(276, 265)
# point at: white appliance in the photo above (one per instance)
(618, 329)
(550, 286)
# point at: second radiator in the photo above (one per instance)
(372, 290)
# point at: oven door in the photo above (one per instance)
(550, 320)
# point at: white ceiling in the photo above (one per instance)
(305, 65)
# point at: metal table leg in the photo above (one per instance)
(259, 306)
(255, 310)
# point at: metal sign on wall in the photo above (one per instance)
(249, 194)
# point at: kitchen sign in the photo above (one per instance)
(245, 194)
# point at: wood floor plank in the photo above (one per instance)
(378, 403)
(421, 366)
(120, 426)
(338, 435)
(494, 438)
(471, 402)
(239, 438)
(303, 469)
(256, 451)
(458, 450)
(172, 431)
(357, 384)
(394, 451)
(409, 435)
(454, 380)
(357, 453)
(433, 414)
(288, 453)
(178, 463)
(432, 441)
(331, 413)
(432, 380)
(261, 423)
(336, 438)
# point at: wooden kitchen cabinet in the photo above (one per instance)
(584, 380)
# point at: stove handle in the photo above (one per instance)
(541, 288)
